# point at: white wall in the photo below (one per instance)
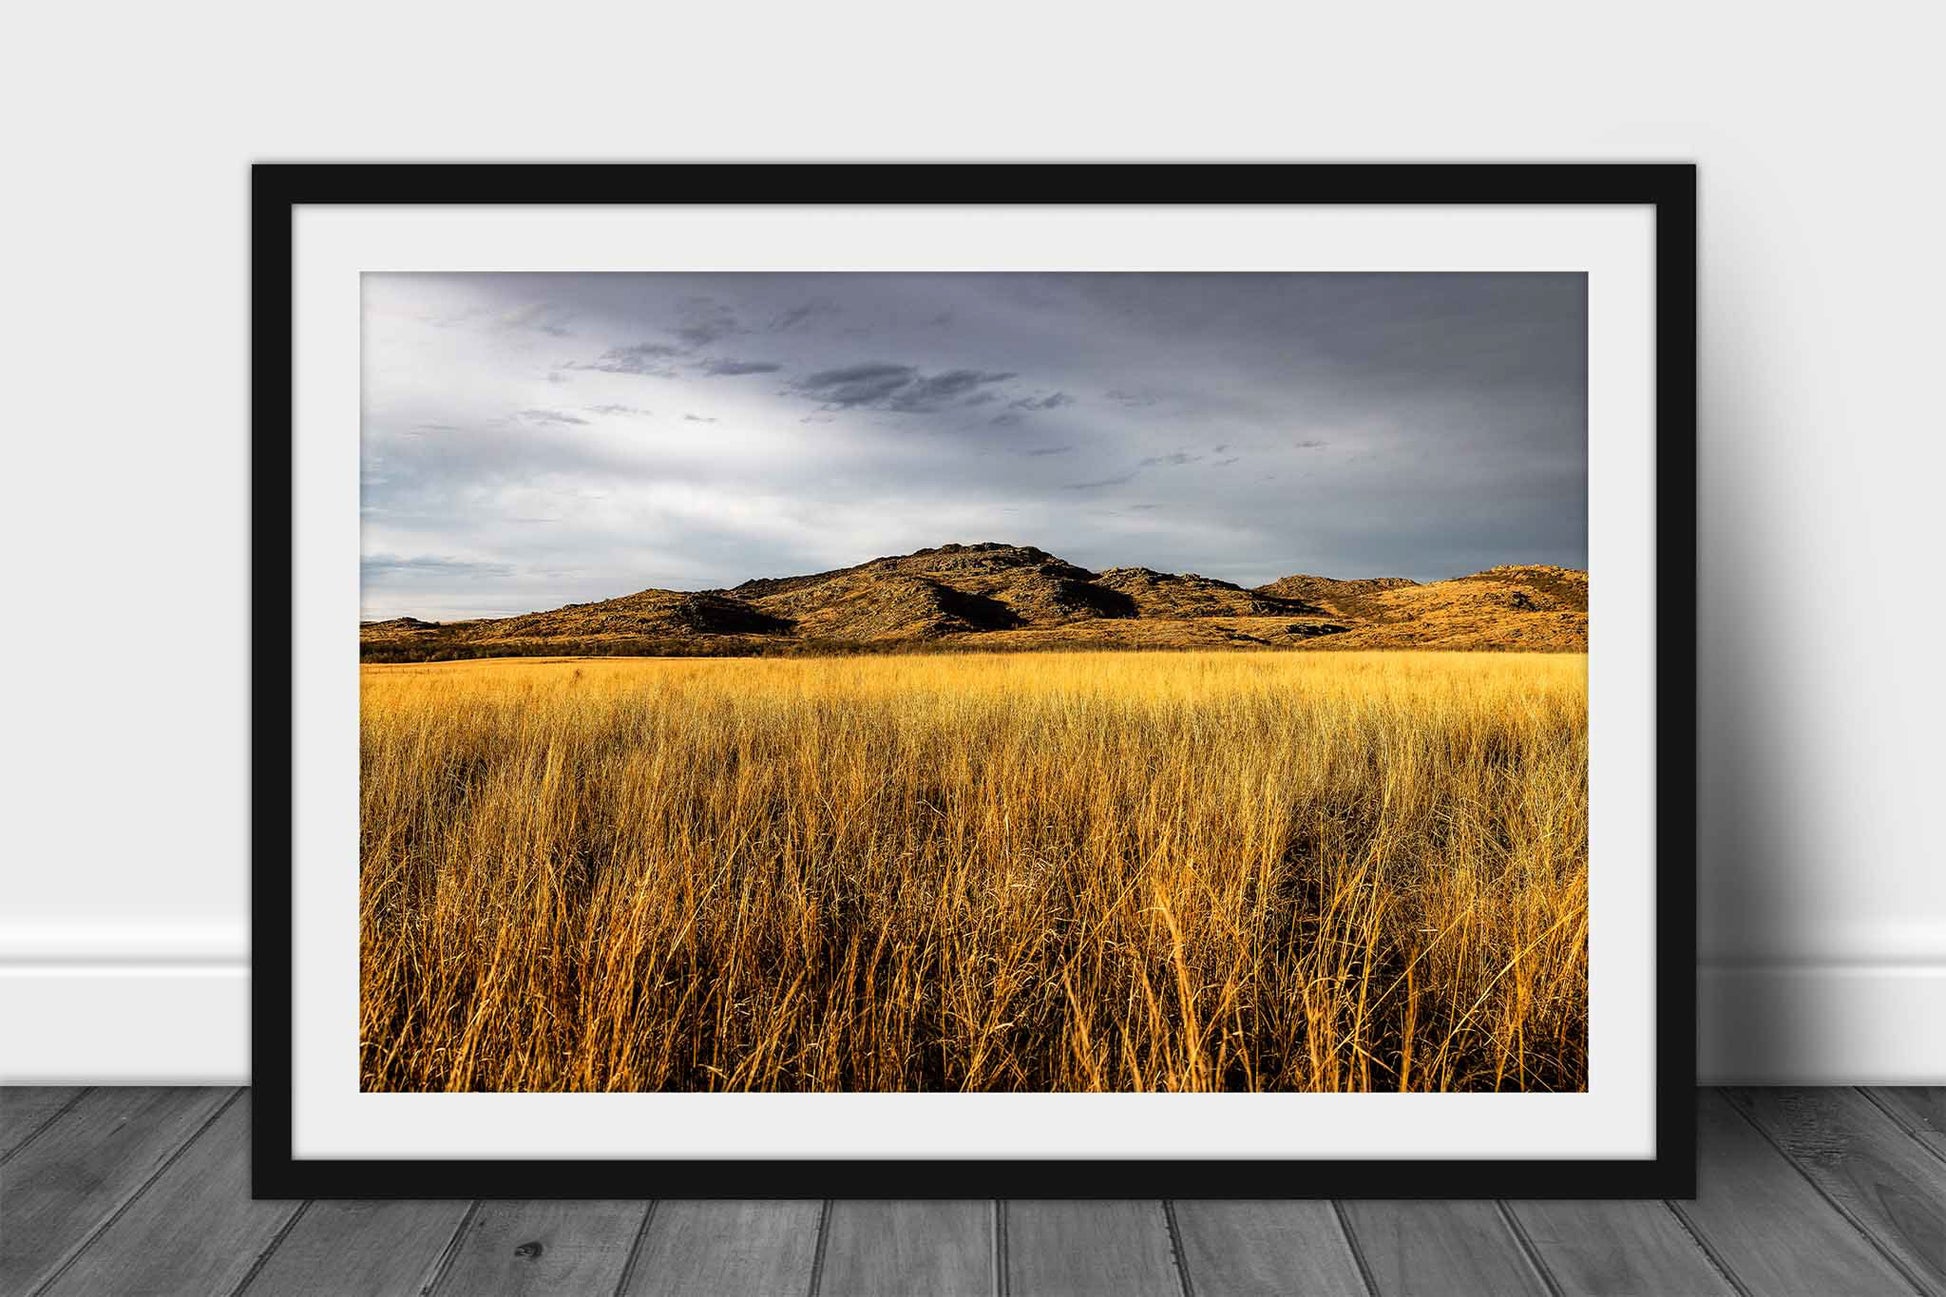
(123, 497)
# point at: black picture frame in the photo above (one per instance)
(1668, 188)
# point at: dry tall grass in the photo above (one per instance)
(1041, 872)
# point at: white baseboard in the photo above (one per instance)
(125, 1024)
(171, 1004)
(124, 1002)
(1821, 1024)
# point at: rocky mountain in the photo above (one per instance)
(995, 596)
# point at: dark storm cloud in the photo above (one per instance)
(940, 390)
(1241, 425)
(855, 385)
(732, 367)
(899, 388)
(648, 358)
(703, 321)
(791, 317)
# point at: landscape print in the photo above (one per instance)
(974, 682)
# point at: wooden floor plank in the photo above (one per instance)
(24, 1109)
(195, 1230)
(1440, 1249)
(377, 1249)
(89, 1162)
(1875, 1172)
(1765, 1222)
(147, 1190)
(727, 1249)
(1089, 1249)
(894, 1249)
(565, 1249)
(1617, 1247)
(1261, 1249)
(1920, 1109)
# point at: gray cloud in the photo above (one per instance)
(791, 317)
(957, 386)
(704, 320)
(1454, 407)
(551, 416)
(900, 388)
(380, 566)
(648, 358)
(1117, 480)
(731, 367)
(855, 385)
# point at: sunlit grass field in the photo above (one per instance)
(1061, 871)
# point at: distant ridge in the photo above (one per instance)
(998, 596)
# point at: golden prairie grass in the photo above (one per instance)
(1111, 871)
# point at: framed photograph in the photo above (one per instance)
(954, 681)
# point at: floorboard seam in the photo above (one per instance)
(1902, 1121)
(121, 1208)
(1858, 1227)
(1708, 1250)
(46, 1121)
(635, 1250)
(817, 1257)
(1002, 1282)
(276, 1241)
(1357, 1252)
(1183, 1280)
(450, 1252)
(1525, 1246)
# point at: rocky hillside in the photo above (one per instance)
(1019, 597)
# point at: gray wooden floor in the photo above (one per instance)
(1827, 1193)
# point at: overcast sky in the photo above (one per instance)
(532, 440)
